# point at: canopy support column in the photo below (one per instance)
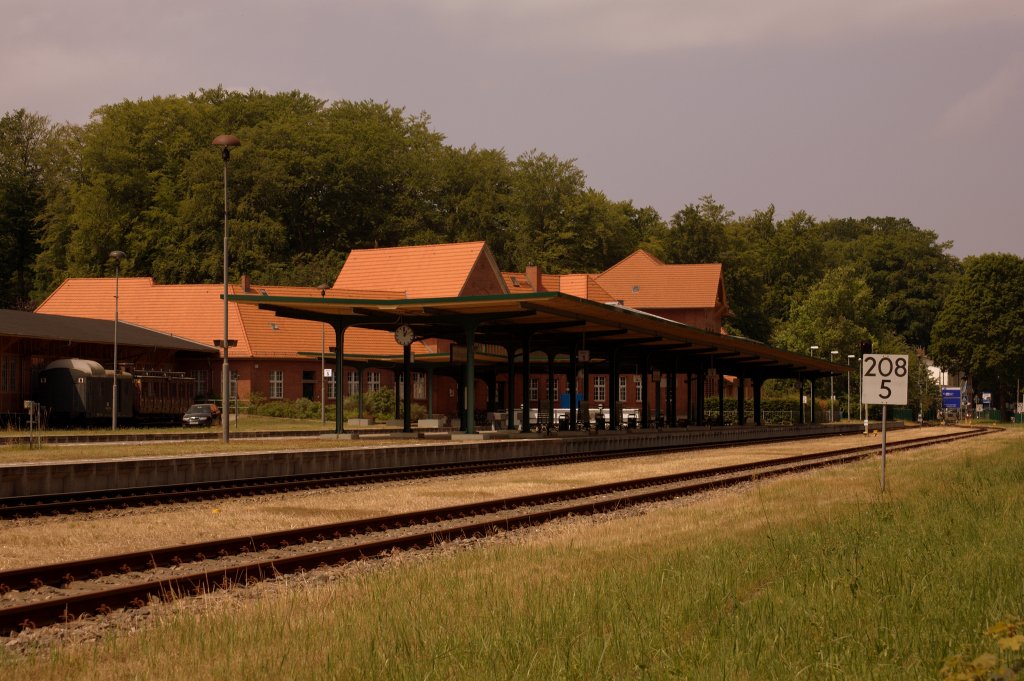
(741, 400)
(551, 389)
(339, 383)
(570, 380)
(407, 389)
(510, 387)
(645, 396)
(613, 389)
(757, 383)
(430, 392)
(721, 397)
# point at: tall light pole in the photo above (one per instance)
(225, 142)
(117, 256)
(832, 388)
(848, 358)
(323, 397)
(860, 390)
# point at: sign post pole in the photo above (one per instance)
(885, 382)
(885, 408)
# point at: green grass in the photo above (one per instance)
(816, 577)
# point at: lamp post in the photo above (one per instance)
(117, 256)
(860, 390)
(225, 142)
(848, 358)
(323, 397)
(832, 388)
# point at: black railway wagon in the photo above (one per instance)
(81, 390)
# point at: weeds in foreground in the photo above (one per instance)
(1005, 664)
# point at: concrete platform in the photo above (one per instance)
(42, 478)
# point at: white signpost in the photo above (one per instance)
(884, 381)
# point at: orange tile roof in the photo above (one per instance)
(643, 282)
(579, 285)
(428, 271)
(196, 312)
(584, 286)
(516, 282)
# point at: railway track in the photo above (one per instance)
(56, 593)
(111, 499)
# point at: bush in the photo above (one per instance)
(776, 410)
(301, 408)
(380, 405)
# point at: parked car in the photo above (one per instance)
(201, 415)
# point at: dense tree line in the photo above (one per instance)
(314, 179)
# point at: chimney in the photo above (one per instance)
(533, 276)
(246, 284)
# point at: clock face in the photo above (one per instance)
(404, 335)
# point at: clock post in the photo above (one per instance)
(404, 336)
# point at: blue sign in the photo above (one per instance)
(951, 398)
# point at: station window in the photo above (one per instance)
(419, 386)
(276, 384)
(639, 388)
(372, 381)
(534, 390)
(353, 383)
(600, 385)
(332, 387)
(622, 388)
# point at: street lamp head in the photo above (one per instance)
(225, 142)
(323, 289)
(833, 352)
(117, 255)
(850, 356)
(814, 347)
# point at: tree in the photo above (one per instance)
(907, 267)
(25, 140)
(310, 181)
(745, 272)
(697, 232)
(836, 314)
(980, 328)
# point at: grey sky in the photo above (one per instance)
(910, 108)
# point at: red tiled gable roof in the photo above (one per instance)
(429, 271)
(643, 282)
(196, 312)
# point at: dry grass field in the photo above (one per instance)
(816, 575)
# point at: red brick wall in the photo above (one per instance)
(482, 280)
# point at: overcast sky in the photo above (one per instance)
(908, 108)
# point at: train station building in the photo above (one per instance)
(640, 341)
(29, 341)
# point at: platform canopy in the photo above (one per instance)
(553, 322)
